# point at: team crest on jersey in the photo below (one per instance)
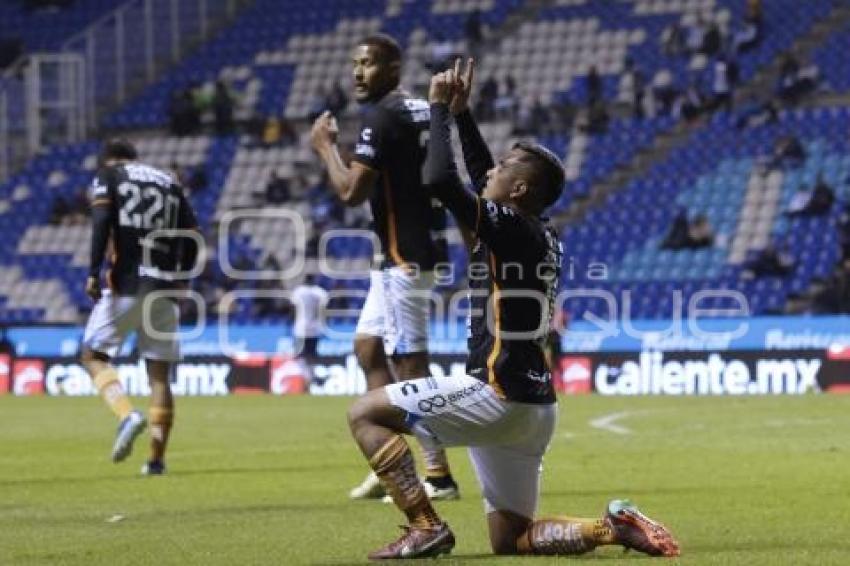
(364, 149)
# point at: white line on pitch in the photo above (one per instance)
(607, 422)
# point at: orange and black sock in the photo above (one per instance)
(564, 536)
(161, 419)
(437, 470)
(109, 388)
(394, 465)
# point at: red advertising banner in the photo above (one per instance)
(5, 373)
(28, 377)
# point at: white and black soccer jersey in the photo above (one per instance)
(516, 265)
(393, 142)
(129, 203)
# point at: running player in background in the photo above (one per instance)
(505, 408)
(310, 302)
(131, 202)
(387, 171)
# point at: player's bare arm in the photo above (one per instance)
(353, 184)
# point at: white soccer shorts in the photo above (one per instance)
(397, 309)
(506, 440)
(114, 317)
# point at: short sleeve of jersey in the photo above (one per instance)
(371, 147)
(102, 188)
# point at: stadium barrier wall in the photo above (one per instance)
(755, 356)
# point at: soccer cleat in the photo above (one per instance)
(153, 468)
(371, 488)
(131, 426)
(634, 530)
(437, 493)
(418, 543)
(434, 493)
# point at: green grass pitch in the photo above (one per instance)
(263, 480)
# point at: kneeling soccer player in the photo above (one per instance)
(505, 408)
(131, 202)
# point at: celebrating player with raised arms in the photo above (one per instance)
(505, 409)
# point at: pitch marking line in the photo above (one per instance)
(608, 422)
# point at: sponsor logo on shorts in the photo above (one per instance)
(428, 405)
(439, 401)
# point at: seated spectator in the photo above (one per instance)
(747, 35)
(594, 87)
(596, 119)
(689, 104)
(789, 153)
(673, 39)
(506, 103)
(664, 91)
(769, 262)
(756, 113)
(688, 235)
(816, 202)
(677, 236)
(834, 298)
(271, 134)
(485, 108)
(695, 36)
(532, 118)
(712, 40)
(725, 77)
(631, 88)
(277, 189)
(796, 80)
(563, 114)
(540, 117)
(700, 233)
(223, 103)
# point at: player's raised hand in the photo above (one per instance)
(463, 86)
(93, 288)
(324, 132)
(442, 88)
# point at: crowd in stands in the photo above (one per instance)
(498, 99)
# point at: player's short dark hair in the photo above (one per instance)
(119, 148)
(388, 47)
(547, 172)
